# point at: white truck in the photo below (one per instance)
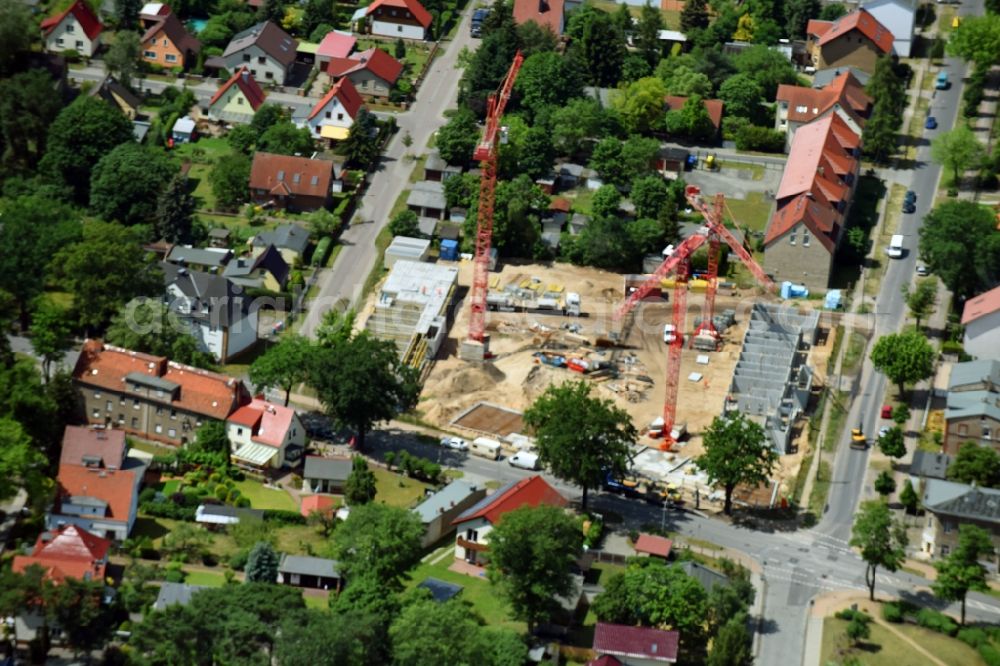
(895, 249)
(525, 460)
(485, 447)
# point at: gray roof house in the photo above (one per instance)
(326, 475)
(947, 505)
(438, 511)
(209, 259)
(313, 572)
(981, 375)
(427, 199)
(436, 169)
(267, 270)
(929, 465)
(825, 77)
(175, 594)
(265, 49)
(290, 239)
(900, 18)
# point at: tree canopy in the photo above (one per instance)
(977, 39)
(903, 358)
(20, 462)
(881, 539)
(961, 571)
(262, 564)
(127, 182)
(958, 150)
(959, 243)
(736, 452)
(379, 541)
(976, 464)
(149, 325)
(457, 138)
(282, 365)
(360, 486)
(229, 180)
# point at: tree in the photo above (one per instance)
(957, 150)
(315, 14)
(318, 637)
(921, 300)
(457, 138)
(126, 183)
(262, 564)
(580, 437)
(741, 95)
(767, 66)
(229, 180)
(694, 15)
(122, 58)
(797, 15)
(547, 78)
(21, 464)
(378, 541)
(888, 91)
(736, 453)
(640, 105)
(903, 357)
(744, 28)
(647, 38)
(691, 120)
(106, 269)
(892, 443)
(607, 201)
(832, 11)
(212, 440)
(908, 497)
(536, 153)
(976, 464)
(683, 80)
(361, 146)
(361, 382)
(598, 46)
(175, 211)
(360, 486)
(272, 10)
(885, 484)
(83, 133)
(282, 365)
(267, 116)
(901, 415)
(51, 335)
(881, 539)
(961, 570)
(731, 645)
(405, 223)
(578, 120)
(127, 13)
(959, 244)
(858, 629)
(16, 32)
(531, 553)
(27, 109)
(428, 632)
(149, 325)
(284, 138)
(77, 608)
(649, 194)
(977, 39)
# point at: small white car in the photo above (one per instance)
(669, 333)
(882, 431)
(456, 443)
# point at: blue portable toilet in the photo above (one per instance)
(449, 250)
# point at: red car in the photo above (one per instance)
(887, 411)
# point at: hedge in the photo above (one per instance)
(891, 612)
(936, 621)
(322, 251)
(973, 636)
(168, 510)
(989, 654)
(284, 517)
(763, 139)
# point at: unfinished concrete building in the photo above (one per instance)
(771, 381)
(412, 309)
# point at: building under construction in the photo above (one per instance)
(771, 381)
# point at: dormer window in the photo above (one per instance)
(801, 108)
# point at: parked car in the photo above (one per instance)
(922, 270)
(886, 411)
(910, 197)
(669, 333)
(882, 431)
(456, 443)
(930, 123)
(909, 207)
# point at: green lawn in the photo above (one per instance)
(752, 212)
(886, 649)
(583, 201)
(204, 578)
(149, 447)
(397, 490)
(170, 487)
(317, 603)
(854, 353)
(266, 498)
(416, 54)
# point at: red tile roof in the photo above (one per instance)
(320, 503)
(103, 443)
(982, 305)
(199, 391)
(68, 552)
(270, 422)
(806, 104)
(375, 60)
(606, 660)
(636, 642)
(288, 174)
(114, 487)
(422, 15)
(85, 16)
(653, 545)
(531, 491)
(336, 44)
(560, 204)
(546, 13)
(243, 80)
(859, 20)
(346, 94)
(713, 106)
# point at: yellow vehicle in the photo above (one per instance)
(955, 22)
(710, 163)
(858, 439)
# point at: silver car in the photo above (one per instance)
(456, 443)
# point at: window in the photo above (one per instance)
(158, 429)
(471, 535)
(135, 422)
(944, 551)
(340, 116)
(791, 238)
(246, 57)
(399, 28)
(121, 400)
(159, 411)
(801, 109)
(986, 432)
(79, 45)
(268, 75)
(173, 414)
(70, 28)
(172, 433)
(946, 526)
(239, 101)
(805, 239)
(97, 395)
(239, 431)
(963, 430)
(329, 114)
(107, 406)
(96, 414)
(137, 388)
(135, 404)
(261, 60)
(59, 42)
(121, 419)
(170, 57)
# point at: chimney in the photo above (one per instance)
(246, 74)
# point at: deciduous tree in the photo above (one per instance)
(318, 637)
(21, 463)
(16, 31)
(881, 539)
(691, 120)
(378, 541)
(122, 58)
(908, 497)
(682, 80)
(457, 139)
(360, 146)
(27, 109)
(903, 357)
(797, 15)
(649, 194)
(607, 201)
(959, 243)
(892, 443)
(640, 105)
(360, 486)
(921, 300)
(51, 335)
(961, 571)
(647, 37)
(598, 44)
(741, 95)
(126, 183)
(149, 325)
(957, 150)
(581, 438)
(428, 632)
(572, 124)
(284, 138)
(229, 180)
(737, 452)
(547, 78)
(885, 484)
(731, 645)
(976, 464)
(977, 39)
(282, 365)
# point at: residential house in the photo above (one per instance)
(118, 96)
(289, 181)
(549, 14)
(397, 18)
(266, 49)
(166, 42)
(264, 435)
(237, 100)
(66, 552)
(216, 516)
(150, 396)
(373, 72)
(672, 160)
(336, 44)
(100, 448)
(713, 107)
(797, 106)
(427, 199)
(103, 501)
(326, 475)
(812, 202)
(438, 511)
(219, 237)
(824, 77)
(634, 646)
(475, 524)
(76, 28)
(947, 505)
(900, 18)
(973, 408)
(333, 115)
(569, 175)
(185, 130)
(650, 545)
(212, 260)
(175, 594)
(212, 310)
(436, 169)
(316, 573)
(855, 40)
(267, 271)
(292, 241)
(981, 319)
(928, 465)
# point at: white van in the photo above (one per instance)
(895, 249)
(525, 460)
(485, 448)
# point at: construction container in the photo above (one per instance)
(578, 365)
(449, 250)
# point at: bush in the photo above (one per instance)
(936, 621)
(891, 612)
(989, 654)
(171, 510)
(147, 495)
(973, 636)
(243, 502)
(322, 251)
(762, 139)
(850, 614)
(284, 517)
(173, 573)
(239, 560)
(221, 492)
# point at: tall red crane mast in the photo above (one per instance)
(486, 154)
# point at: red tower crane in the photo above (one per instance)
(714, 233)
(486, 154)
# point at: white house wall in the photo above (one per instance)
(482, 528)
(333, 107)
(406, 31)
(71, 41)
(269, 71)
(982, 337)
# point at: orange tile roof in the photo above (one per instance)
(320, 503)
(293, 175)
(859, 20)
(531, 491)
(67, 552)
(546, 13)
(422, 15)
(346, 93)
(243, 80)
(114, 487)
(84, 15)
(984, 304)
(270, 422)
(375, 60)
(653, 545)
(200, 391)
(807, 104)
(713, 106)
